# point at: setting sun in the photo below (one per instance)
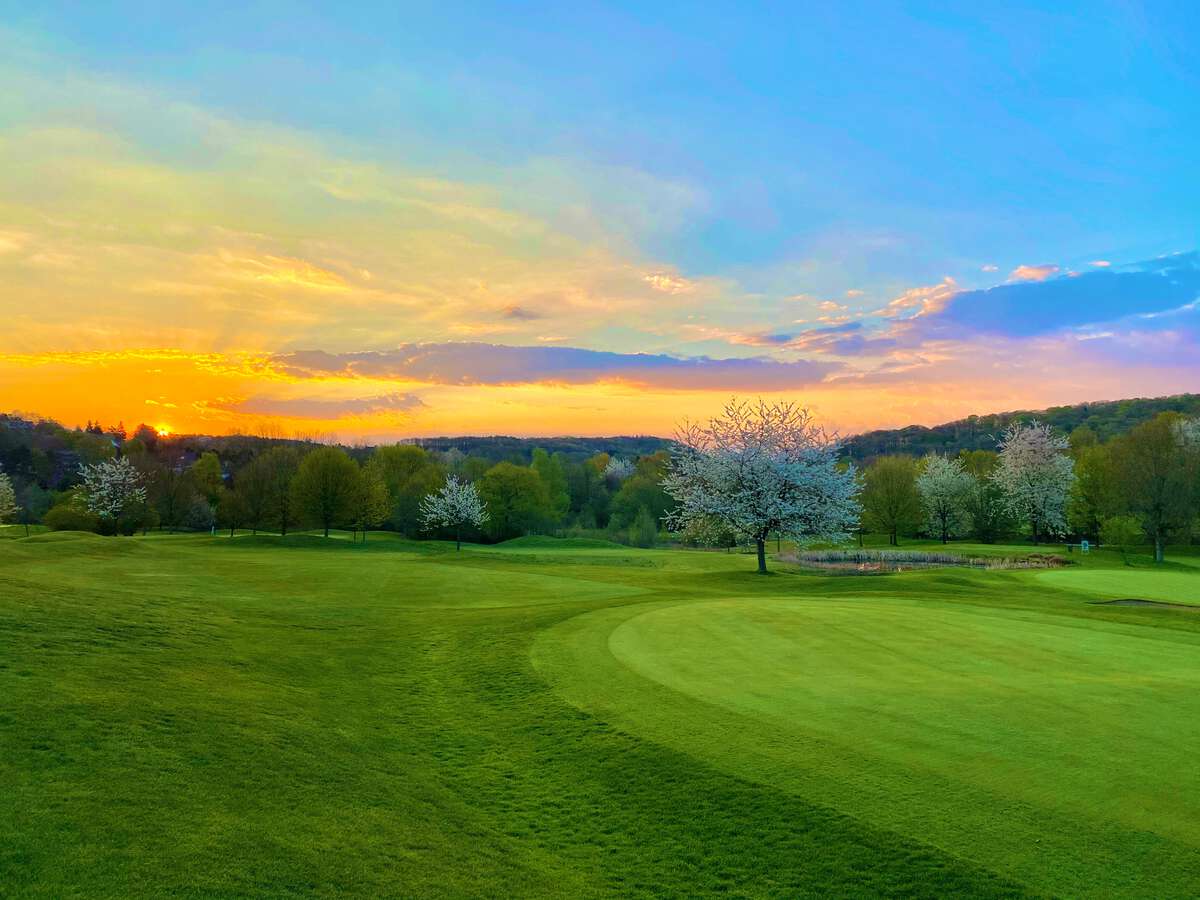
(163, 430)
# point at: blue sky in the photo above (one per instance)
(767, 163)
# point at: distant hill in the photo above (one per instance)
(520, 450)
(1106, 418)
(46, 453)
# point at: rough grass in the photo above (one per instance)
(197, 716)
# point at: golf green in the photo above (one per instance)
(1018, 739)
(1129, 584)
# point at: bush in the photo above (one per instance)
(69, 517)
(644, 530)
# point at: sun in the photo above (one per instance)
(163, 430)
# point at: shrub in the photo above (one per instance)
(69, 517)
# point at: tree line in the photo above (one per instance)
(1139, 486)
(752, 472)
(149, 482)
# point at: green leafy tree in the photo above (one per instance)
(1121, 532)
(588, 490)
(409, 473)
(985, 503)
(890, 502)
(1096, 493)
(281, 465)
(371, 503)
(231, 510)
(554, 478)
(325, 487)
(516, 501)
(172, 493)
(253, 484)
(1157, 468)
(643, 490)
(207, 477)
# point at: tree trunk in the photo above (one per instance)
(231, 531)
(457, 539)
(326, 529)
(1158, 548)
(762, 556)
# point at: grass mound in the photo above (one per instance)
(543, 542)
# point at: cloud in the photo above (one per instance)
(922, 301)
(520, 313)
(320, 407)
(668, 284)
(1100, 263)
(829, 306)
(472, 363)
(989, 268)
(854, 292)
(12, 241)
(1033, 273)
(1090, 298)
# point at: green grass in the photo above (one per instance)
(1174, 585)
(259, 716)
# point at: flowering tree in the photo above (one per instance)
(617, 470)
(1036, 475)
(8, 500)
(456, 505)
(112, 487)
(759, 468)
(944, 486)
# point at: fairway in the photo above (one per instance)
(265, 717)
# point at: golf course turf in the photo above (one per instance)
(257, 716)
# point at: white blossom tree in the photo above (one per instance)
(456, 505)
(1035, 474)
(111, 487)
(8, 500)
(759, 468)
(617, 470)
(944, 487)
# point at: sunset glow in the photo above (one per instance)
(319, 258)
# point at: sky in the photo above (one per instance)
(372, 221)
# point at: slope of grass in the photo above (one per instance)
(1168, 585)
(264, 716)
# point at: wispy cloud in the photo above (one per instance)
(494, 364)
(1033, 273)
(322, 408)
(922, 301)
